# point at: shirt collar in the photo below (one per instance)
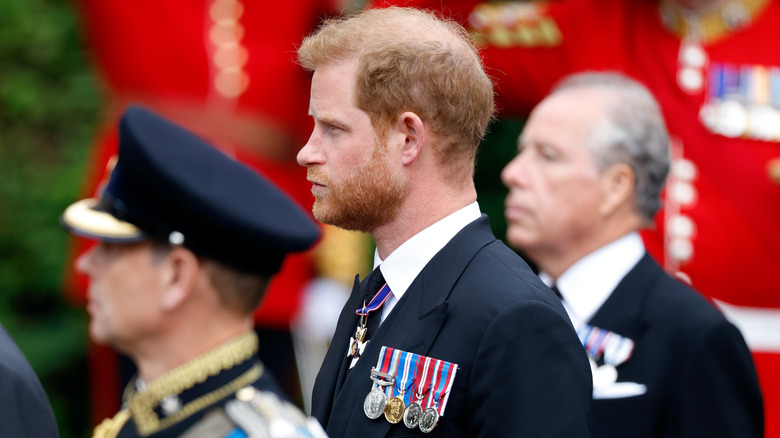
(403, 265)
(589, 282)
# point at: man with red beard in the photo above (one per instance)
(711, 66)
(451, 317)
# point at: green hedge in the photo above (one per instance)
(48, 112)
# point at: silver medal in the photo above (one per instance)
(412, 415)
(429, 420)
(374, 404)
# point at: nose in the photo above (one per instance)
(309, 154)
(513, 174)
(84, 264)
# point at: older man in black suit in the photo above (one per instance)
(400, 102)
(592, 161)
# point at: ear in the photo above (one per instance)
(179, 278)
(412, 130)
(618, 188)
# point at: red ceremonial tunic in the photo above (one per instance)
(213, 66)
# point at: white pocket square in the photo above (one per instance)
(619, 390)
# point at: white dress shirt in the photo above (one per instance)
(403, 265)
(587, 284)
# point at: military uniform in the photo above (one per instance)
(225, 391)
(718, 82)
(170, 188)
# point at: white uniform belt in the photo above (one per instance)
(759, 325)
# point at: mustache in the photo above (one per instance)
(316, 176)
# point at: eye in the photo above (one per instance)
(548, 153)
(331, 128)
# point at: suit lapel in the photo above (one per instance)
(423, 308)
(325, 386)
(622, 313)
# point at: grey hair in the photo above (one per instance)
(633, 132)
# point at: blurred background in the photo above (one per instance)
(48, 113)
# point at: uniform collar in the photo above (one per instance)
(587, 284)
(211, 376)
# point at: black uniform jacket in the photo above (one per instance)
(170, 405)
(694, 364)
(521, 369)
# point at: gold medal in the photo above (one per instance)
(394, 410)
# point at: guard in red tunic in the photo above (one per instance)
(715, 68)
(226, 70)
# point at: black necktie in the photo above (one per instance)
(557, 293)
(369, 287)
(372, 284)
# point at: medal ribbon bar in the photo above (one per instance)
(407, 379)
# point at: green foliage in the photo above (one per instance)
(48, 112)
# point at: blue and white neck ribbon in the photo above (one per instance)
(376, 302)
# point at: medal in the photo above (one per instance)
(394, 410)
(414, 412)
(429, 420)
(615, 350)
(395, 374)
(443, 383)
(412, 415)
(376, 400)
(375, 403)
(383, 377)
(358, 342)
(603, 376)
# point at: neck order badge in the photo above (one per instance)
(359, 341)
(395, 374)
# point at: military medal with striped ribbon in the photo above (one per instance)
(743, 101)
(422, 377)
(431, 378)
(394, 410)
(382, 376)
(437, 399)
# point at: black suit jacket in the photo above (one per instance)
(522, 371)
(697, 369)
(25, 408)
